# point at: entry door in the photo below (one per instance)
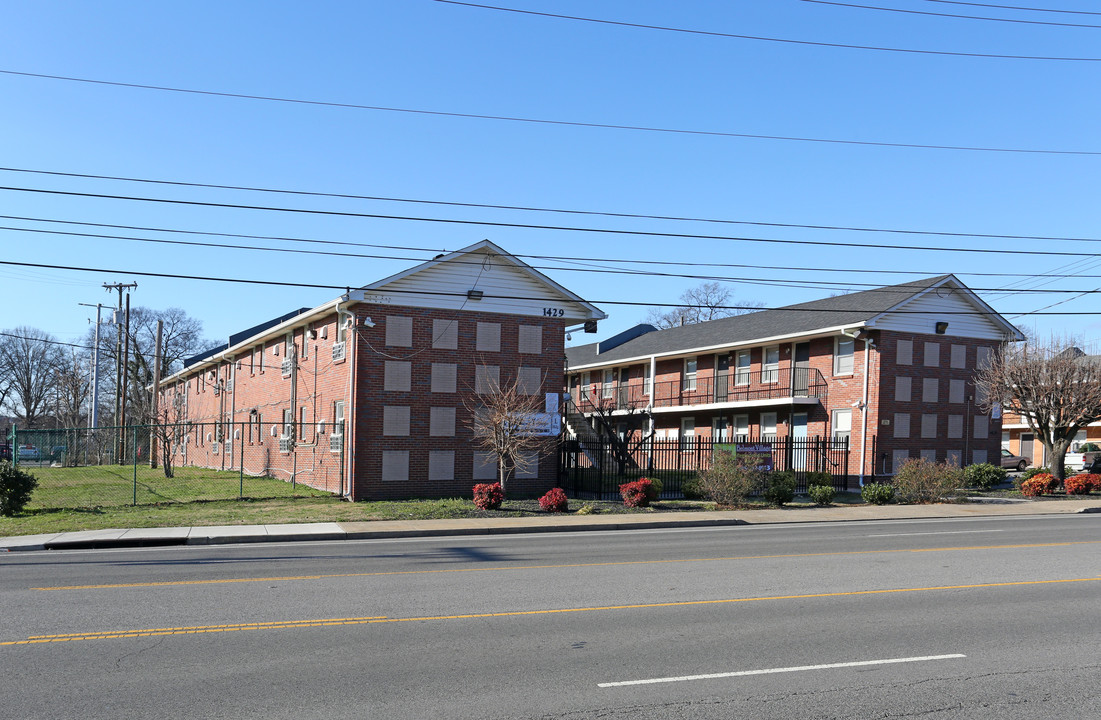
(800, 369)
(799, 441)
(722, 377)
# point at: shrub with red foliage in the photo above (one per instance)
(1080, 484)
(1093, 479)
(637, 493)
(1037, 485)
(555, 501)
(488, 497)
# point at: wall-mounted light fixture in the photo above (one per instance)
(474, 294)
(941, 327)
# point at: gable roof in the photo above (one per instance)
(858, 309)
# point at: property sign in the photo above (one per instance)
(761, 451)
(542, 424)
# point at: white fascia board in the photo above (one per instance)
(273, 332)
(502, 254)
(688, 352)
(969, 295)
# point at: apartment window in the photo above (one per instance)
(928, 426)
(903, 389)
(902, 425)
(955, 426)
(741, 427)
(288, 345)
(929, 390)
(288, 423)
(898, 459)
(584, 382)
(529, 380)
(395, 466)
(929, 455)
(741, 367)
(768, 425)
(608, 387)
(527, 465)
(771, 365)
(397, 376)
(982, 427)
(487, 379)
(485, 466)
(982, 358)
(441, 422)
(488, 337)
(956, 389)
(842, 424)
(690, 373)
(530, 341)
(399, 331)
(720, 429)
(958, 358)
(395, 420)
(843, 355)
(646, 379)
(904, 353)
(441, 465)
(444, 377)
(932, 354)
(306, 342)
(445, 334)
(687, 433)
(338, 417)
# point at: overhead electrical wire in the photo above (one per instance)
(949, 15)
(597, 261)
(277, 283)
(545, 121)
(712, 33)
(1015, 7)
(44, 340)
(778, 282)
(531, 226)
(530, 208)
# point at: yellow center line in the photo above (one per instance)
(173, 583)
(288, 624)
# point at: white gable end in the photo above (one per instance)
(947, 304)
(506, 288)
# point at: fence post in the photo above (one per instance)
(15, 445)
(134, 452)
(241, 465)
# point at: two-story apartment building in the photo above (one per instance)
(371, 394)
(891, 369)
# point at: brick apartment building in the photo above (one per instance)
(369, 395)
(891, 369)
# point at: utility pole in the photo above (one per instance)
(93, 416)
(120, 363)
(156, 396)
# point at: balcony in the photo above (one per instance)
(728, 388)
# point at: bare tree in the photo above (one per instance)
(29, 359)
(1054, 387)
(707, 301)
(502, 420)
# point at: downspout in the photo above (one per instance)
(650, 409)
(345, 316)
(868, 345)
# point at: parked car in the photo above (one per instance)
(29, 452)
(1083, 456)
(1014, 462)
(57, 453)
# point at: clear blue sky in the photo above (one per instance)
(425, 55)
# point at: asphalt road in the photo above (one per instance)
(975, 618)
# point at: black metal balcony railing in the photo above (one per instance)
(727, 387)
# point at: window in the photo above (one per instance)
(982, 357)
(487, 379)
(288, 345)
(395, 466)
(306, 342)
(898, 459)
(441, 422)
(530, 341)
(608, 387)
(338, 417)
(741, 367)
(441, 465)
(528, 465)
(720, 429)
(932, 354)
(397, 375)
(902, 425)
(978, 456)
(929, 390)
(646, 379)
(395, 420)
(584, 382)
(842, 424)
(445, 334)
(768, 425)
(904, 354)
(741, 427)
(529, 380)
(687, 433)
(903, 389)
(771, 366)
(958, 358)
(690, 373)
(488, 337)
(982, 427)
(928, 426)
(929, 455)
(444, 377)
(956, 390)
(485, 466)
(399, 331)
(955, 426)
(843, 355)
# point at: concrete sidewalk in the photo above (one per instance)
(225, 534)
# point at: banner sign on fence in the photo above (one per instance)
(542, 424)
(762, 451)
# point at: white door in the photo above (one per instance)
(799, 439)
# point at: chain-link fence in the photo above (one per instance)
(177, 463)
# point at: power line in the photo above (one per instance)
(564, 123)
(949, 15)
(529, 226)
(1015, 7)
(554, 258)
(44, 340)
(277, 283)
(524, 208)
(777, 282)
(767, 39)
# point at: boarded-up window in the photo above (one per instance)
(929, 390)
(489, 337)
(528, 465)
(982, 427)
(396, 375)
(955, 391)
(529, 380)
(441, 465)
(487, 379)
(399, 331)
(485, 466)
(928, 426)
(898, 459)
(441, 421)
(902, 425)
(978, 456)
(929, 455)
(932, 354)
(955, 426)
(445, 334)
(395, 420)
(443, 377)
(959, 356)
(395, 465)
(982, 357)
(905, 352)
(531, 339)
(903, 389)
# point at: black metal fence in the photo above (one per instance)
(596, 469)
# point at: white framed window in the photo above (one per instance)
(584, 382)
(768, 425)
(741, 427)
(646, 379)
(770, 366)
(608, 387)
(843, 348)
(690, 373)
(742, 363)
(842, 424)
(687, 433)
(720, 429)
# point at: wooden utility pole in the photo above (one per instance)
(120, 364)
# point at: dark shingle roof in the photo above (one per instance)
(802, 317)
